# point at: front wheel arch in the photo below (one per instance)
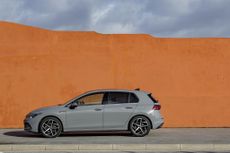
(39, 131)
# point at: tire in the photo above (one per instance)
(50, 127)
(140, 126)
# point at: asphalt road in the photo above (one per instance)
(159, 136)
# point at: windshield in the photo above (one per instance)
(73, 99)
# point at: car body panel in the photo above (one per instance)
(117, 115)
(55, 111)
(84, 117)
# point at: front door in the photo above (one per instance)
(88, 115)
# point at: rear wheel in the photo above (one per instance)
(50, 127)
(140, 126)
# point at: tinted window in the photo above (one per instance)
(133, 98)
(105, 98)
(93, 99)
(118, 97)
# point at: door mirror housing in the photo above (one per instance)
(73, 106)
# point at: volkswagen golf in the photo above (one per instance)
(100, 110)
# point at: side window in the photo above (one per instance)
(118, 97)
(93, 99)
(133, 98)
(105, 98)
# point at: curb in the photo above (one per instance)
(118, 147)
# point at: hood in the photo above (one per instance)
(49, 108)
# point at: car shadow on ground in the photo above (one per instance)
(89, 134)
(22, 133)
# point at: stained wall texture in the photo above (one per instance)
(190, 77)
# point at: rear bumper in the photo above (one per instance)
(160, 125)
(156, 119)
(156, 124)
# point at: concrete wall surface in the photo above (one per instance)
(38, 67)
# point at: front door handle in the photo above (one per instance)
(128, 107)
(97, 109)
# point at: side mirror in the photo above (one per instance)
(73, 106)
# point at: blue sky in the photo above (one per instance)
(162, 18)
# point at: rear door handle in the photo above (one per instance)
(128, 107)
(97, 109)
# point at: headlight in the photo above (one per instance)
(32, 115)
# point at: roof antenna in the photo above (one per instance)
(137, 89)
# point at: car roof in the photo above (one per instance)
(106, 90)
(117, 90)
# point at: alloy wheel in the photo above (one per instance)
(140, 126)
(51, 127)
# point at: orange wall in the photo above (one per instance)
(190, 77)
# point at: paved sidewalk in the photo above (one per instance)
(165, 139)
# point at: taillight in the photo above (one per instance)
(157, 107)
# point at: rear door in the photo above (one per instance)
(117, 109)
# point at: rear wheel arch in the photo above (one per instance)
(139, 115)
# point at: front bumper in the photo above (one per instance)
(27, 126)
(31, 124)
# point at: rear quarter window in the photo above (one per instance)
(133, 98)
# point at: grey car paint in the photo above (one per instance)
(84, 118)
(98, 117)
(117, 115)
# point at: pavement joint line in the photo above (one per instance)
(116, 147)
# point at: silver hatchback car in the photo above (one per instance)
(99, 110)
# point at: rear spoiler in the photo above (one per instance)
(152, 98)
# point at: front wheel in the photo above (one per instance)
(50, 127)
(140, 126)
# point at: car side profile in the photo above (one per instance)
(99, 110)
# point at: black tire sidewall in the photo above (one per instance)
(148, 129)
(53, 118)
